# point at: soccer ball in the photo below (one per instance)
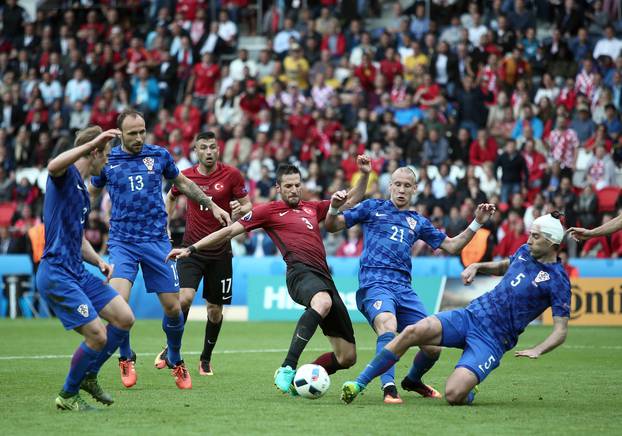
(311, 381)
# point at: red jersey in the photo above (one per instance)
(295, 231)
(225, 184)
(205, 78)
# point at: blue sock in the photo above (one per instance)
(383, 361)
(125, 351)
(421, 364)
(114, 336)
(82, 358)
(174, 329)
(381, 342)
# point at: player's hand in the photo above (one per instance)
(339, 198)
(579, 233)
(177, 253)
(484, 211)
(222, 216)
(106, 270)
(364, 163)
(104, 138)
(236, 208)
(532, 354)
(469, 274)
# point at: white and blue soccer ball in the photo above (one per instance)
(311, 381)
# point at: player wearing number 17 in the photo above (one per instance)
(138, 236)
(385, 294)
(293, 225)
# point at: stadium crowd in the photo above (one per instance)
(512, 102)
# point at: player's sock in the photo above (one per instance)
(307, 324)
(422, 363)
(383, 361)
(82, 359)
(174, 329)
(115, 336)
(388, 376)
(211, 336)
(329, 362)
(125, 351)
(185, 313)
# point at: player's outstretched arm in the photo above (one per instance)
(211, 240)
(581, 234)
(497, 268)
(456, 244)
(555, 339)
(357, 193)
(334, 221)
(90, 256)
(57, 166)
(193, 192)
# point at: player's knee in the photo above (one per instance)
(455, 396)
(185, 301)
(432, 351)
(125, 321)
(171, 308)
(322, 303)
(214, 313)
(411, 332)
(96, 338)
(347, 359)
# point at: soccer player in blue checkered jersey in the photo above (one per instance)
(533, 280)
(385, 294)
(138, 235)
(75, 295)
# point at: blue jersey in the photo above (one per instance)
(526, 290)
(389, 235)
(65, 210)
(134, 183)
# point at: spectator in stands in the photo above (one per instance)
(601, 171)
(598, 247)
(353, 245)
(586, 208)
(572, 271)
(514, 173)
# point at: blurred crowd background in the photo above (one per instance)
(513, 102)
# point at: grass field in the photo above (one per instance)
(574, 390)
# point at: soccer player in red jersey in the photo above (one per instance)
(293, 225)
(225, 185)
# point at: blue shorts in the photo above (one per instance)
(75, 297)
(159, 276)
(482, 353)
(400, 300)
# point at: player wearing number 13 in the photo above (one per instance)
(293, 225)
(533, 280)
(138, 236)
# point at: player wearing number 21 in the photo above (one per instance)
(385, 295)
(138, 235)
(293, 225)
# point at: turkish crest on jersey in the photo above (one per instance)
(148, 161)
(308, 211)
(412, 223)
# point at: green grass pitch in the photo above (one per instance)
(573, 390)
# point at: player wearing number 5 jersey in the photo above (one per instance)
(293, 225)
(138, 236)
(533, 280)
(385, 294)
(225, 185)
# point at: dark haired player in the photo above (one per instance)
(293, 225)
(138, 236)
(225, 186)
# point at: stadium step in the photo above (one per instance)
(254, 44)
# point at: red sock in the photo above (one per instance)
(329, 362)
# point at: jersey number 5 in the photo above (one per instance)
(517, 279)
(136, 183)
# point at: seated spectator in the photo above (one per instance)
(483, 149)
(601, 170)
(353, 245)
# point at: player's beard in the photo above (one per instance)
(292, 201)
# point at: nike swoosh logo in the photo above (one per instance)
(80, 188)
(210, 342)
(283, 213)
(114, 166)
(521, 258)
(227, 298)
(176, 284)
(300, 337)
(381, 214)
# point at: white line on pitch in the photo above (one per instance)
(266, 350)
